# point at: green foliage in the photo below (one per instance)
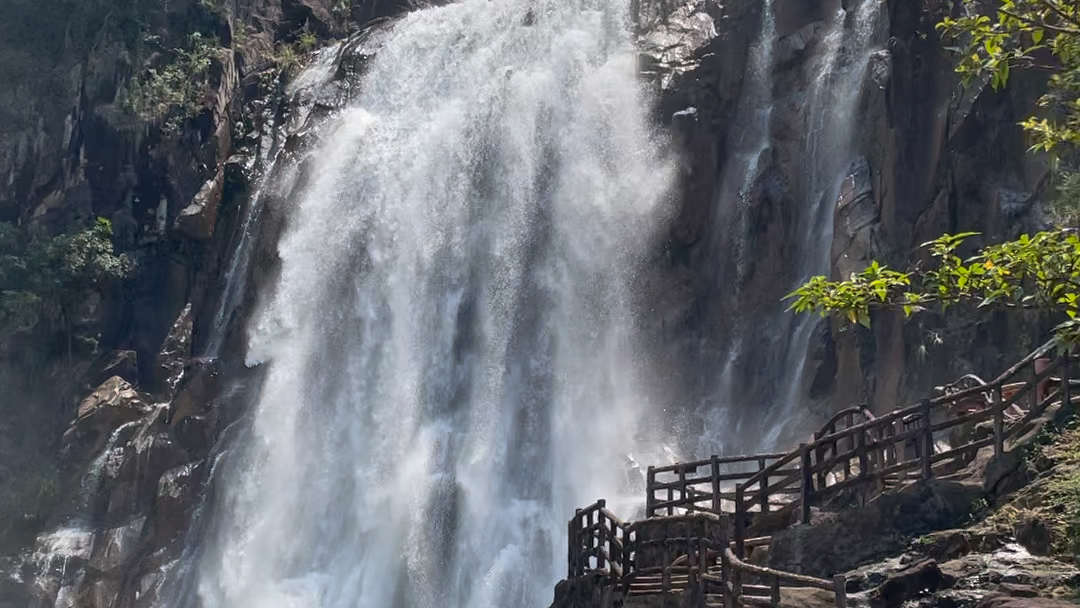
(1027, 34)
(307, 42)
(1037, 272)
(51, 279)
(290, 57)
(173, 93)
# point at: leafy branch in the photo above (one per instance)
(1040, 272)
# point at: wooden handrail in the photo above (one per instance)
(674, 468)
(799, 579)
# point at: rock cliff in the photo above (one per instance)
(131, 423)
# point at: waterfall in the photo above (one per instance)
(760, 402)
(451, 349)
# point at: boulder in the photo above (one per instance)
(114, 548)
(178, 493)
(197, 220)
(1017, 590)
(175, 353)
(1035, 536)
(112, 405)
(1006, 473)
(918, 579)
(853, 537)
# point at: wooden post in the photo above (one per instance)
(684, 492)
(763, 486)
(740, 520)
(807, 482)
(603, 537)
(665, 572)
(717, 507)
(840, 588)
(588, 537)
(999, 423)
(650, 498)
(774, 596)
(927, 442)
(822, 453)
(726, 584)
(570, 548)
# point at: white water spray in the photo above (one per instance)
(451, 350)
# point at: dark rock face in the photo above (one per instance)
(134, 463)
(929, 157)
(850, 538)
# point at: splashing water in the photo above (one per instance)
(451, 345)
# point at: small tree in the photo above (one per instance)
(52, 279)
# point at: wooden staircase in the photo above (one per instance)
(692, 507)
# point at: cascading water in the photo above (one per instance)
(450, 345)
(763, 404)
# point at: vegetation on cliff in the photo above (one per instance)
(50, 282)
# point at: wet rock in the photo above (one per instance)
(1011, 564)
(144, 460)
(198, 390)
(175, 353)
(881, 68)
(790, 48)
(99, 594)
(912, 581)
(857, 222)
(112, 405)
(853, 537)
(1017, 590)
(57, 565)
(1035, 536)
(951, 544)
(115, 547)
(673, 39)
(197, 220)
(178, 493)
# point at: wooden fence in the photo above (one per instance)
(689, 553)
(701, 485)
(877, 453)
(854, 453)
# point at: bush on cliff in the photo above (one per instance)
(46, 284)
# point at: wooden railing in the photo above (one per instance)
(868, 457)
(597, 542)
(736, 592)
(854, 452)
(701, 485)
